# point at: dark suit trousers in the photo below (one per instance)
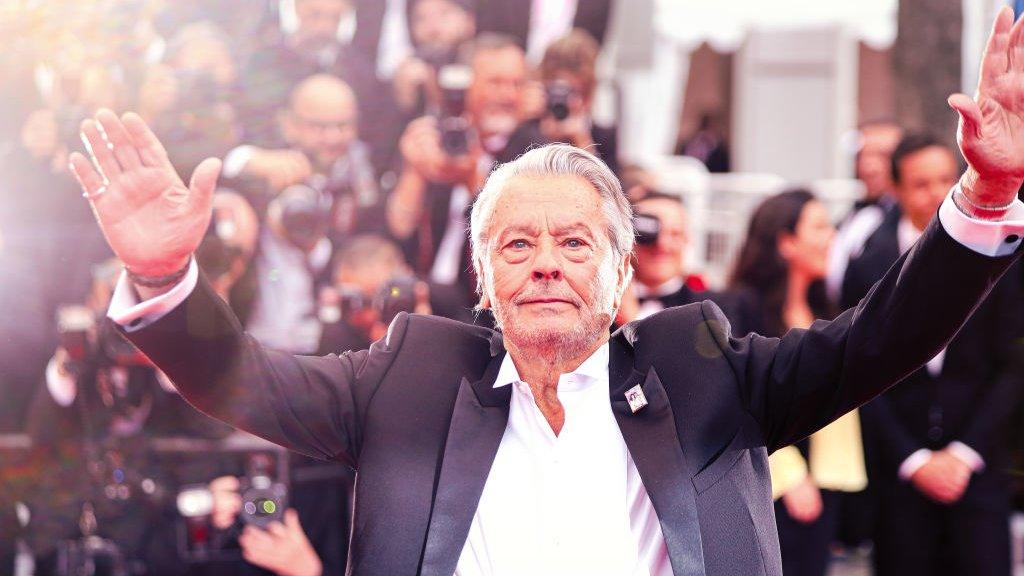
(806, 547)
(916, 536)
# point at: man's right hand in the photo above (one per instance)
(151, 220)
(943, 478)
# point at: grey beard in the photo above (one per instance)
(553, 345)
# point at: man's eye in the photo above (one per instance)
(519, 244)
(575, 243)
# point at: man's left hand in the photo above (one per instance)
(283, 549)
(991, 131)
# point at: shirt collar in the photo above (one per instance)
(594, 367)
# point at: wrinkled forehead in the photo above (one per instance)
(551, 204)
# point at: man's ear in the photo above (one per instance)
(623, 276)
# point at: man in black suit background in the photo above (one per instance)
(646, 451)
(938, 441)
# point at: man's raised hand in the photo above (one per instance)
(991, 131)
(151, 220)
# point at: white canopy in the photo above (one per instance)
(725, 23)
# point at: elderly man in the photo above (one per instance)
(551, 448)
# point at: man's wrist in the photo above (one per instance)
(985, 198)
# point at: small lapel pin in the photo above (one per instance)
(635, 397)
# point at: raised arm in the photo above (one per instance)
(991, 129)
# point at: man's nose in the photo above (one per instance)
(546, 265)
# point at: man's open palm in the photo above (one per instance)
(991, 132)
(150, 219)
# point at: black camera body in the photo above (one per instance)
(559, 94)
(397, 295)
(454, 81)
(263, 500)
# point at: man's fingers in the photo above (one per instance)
(102, 157)
(117, 136)
(995, 60)
(204, 180)
(969, 112)
(88, 178)
(151, 151)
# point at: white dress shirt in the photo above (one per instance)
(567, 504)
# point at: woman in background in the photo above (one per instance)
(780, 278)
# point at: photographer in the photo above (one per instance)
(97, 478)
(291, 261)
(567, 71)
(363, 268)
(446, 159)
(322, 149)
(659, 280)
(437, 28)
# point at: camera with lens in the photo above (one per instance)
(648, 228)
(303, 214)
(559, 94)
(454, 81)
(264, 499)
(397, 295)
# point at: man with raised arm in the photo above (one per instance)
(550, 447)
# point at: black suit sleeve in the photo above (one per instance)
(796, 385)
(1001, 399)
(312, 405)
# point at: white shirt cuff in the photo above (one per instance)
(988, 237)
(236, 160)
(62, 387)
(126, 310)
(914, 462)
(967, 455)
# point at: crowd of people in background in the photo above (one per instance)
(355, 134)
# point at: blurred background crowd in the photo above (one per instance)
(778, 171)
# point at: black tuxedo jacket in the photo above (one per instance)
(973, 396)
(417, 416)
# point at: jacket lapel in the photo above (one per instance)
(478, 423)
(654, 444)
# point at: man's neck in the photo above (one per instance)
(541, 370)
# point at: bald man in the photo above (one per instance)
(318, 127)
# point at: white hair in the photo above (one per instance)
(552, 160)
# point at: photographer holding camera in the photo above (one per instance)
(371, 282)
(437, 28)
(446, 158)
(321, 149)
(568, 73)
(291, 262)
